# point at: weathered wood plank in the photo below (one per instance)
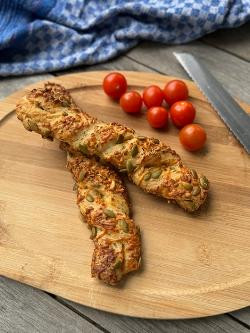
(231, 71)
(243, 315)
(114, 323)
(25, 309)
(120, 63)
(236, 41)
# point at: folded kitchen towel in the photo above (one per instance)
(47, 35)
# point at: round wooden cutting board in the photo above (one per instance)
(193, 264)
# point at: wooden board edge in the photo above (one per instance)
(194, 311)
(9, 104)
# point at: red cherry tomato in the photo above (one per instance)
(192, 137)
(182, 113)
(131, 102)
(114, 85)
(175, 91)
(157, 116)
(152, 96)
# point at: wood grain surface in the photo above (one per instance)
(194, 265)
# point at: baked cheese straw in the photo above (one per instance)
(149, 163)
(103, 203)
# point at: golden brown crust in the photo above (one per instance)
(103, 202)
(149, 163)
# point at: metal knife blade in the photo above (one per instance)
(228, 109)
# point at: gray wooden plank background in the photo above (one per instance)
(26, 309)
(234, 41)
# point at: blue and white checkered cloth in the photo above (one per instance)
(47, 35)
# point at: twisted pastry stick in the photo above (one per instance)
(103, 202)
(149, 163)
